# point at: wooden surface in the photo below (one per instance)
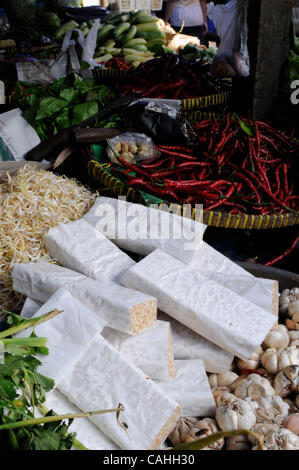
(272, 49)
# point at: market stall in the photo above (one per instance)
(123, 325)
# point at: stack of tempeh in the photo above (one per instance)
(107, 347)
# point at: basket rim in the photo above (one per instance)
(210, 218)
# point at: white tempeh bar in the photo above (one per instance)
(211, 310)
(123, 309)
(142, 229)
(95, 376)
(262, 292)
(86, 432)
(151, 350)
(191, 389)
(30, 307)
(102, 379)
(79, 246)
(206, 258)
(189, 345)
(67, 333)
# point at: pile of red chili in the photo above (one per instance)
(233, 166)
(116, 63)
(170, 78)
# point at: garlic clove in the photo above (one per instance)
(292, 423)
(291, 324)
(222, 380)
(277, 338)
(293, 311)
(293, 335)
(253, 361)
(269, 361)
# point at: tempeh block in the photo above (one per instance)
(150, 350)
(191, 389)
(80, 247)
(123, 309)
(211, 310)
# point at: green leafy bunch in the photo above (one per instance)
(66, 102)
(22, 389)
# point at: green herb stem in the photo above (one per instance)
(51, 419)
(32, 322)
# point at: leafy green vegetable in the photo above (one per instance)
(66, 102)
(49, 106)
(69, 95)
(84, 111)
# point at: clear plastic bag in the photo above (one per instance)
(132, 147)
(232, 57)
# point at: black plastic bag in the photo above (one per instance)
(155, 119)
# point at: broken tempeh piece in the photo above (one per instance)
(189, 345)
(151, 350)
(123, 309)
(211, 310)
(79, 246)
(191, 389)
(142, 229)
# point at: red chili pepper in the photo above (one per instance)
(133, 167)
(250, 184)
(177, 154)
(187, 184)
(175, 147)
(285, 177)
(287, 252)
(156, 163)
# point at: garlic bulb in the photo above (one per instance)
(203, 428)
(253, 362)
(275, 361)
(253, 386)
(221, 393)
(292, 423)
(268, 431)
(238, 443)
(222, 380)
(269, 409)
(234, 413)
(294, 335)
(292, 405)
(275, 438)
(277, 338)
(293, 311)
(287, 381)
(287, 440)
(181, 430)
(284, 301)
(287, 298)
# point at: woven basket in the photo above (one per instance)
(32, 50)
(99, 174)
